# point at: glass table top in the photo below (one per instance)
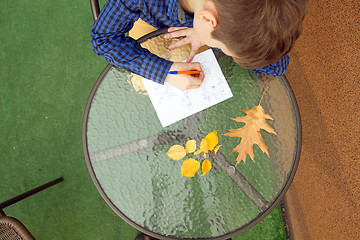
(125, 148)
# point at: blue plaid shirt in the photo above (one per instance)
(117, 17)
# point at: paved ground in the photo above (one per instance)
(323, 200)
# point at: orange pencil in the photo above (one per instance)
(184, 72)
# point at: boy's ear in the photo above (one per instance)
(208, 17)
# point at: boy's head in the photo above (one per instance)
(255, 33)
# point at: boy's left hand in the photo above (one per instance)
(189, 37)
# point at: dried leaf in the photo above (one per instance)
(205, 167)
(250, 133)
(190, 146)
(189, 167)
(176, 152)
(212, 140)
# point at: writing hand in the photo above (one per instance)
(189, 37)
(183, 81)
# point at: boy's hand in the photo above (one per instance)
(183, 81)
(189, 35)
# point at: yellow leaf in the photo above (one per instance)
(190, 146)
(217, 148)
(176, 152)
(204, 146)
(205, 167)
(250, 133)
(189, 167)
(212, 140)
(197, 152)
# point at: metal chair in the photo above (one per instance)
(95, 9)
(11, 228)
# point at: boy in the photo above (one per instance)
(258, 34)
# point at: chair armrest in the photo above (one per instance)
(95, 9)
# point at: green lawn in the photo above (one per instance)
(47, 70)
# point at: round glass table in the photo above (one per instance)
(125, 149)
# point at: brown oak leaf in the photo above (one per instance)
(254, 120)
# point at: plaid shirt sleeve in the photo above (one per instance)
(274, 69)
(108, 40)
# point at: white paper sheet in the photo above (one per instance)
(172, 105)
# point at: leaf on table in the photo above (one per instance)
(250, 133)
(190, 146)
(209, 143)
(212, 140)
(176, 152)
(189, 167)
(205, 167)
(204, 146)
(217, 148)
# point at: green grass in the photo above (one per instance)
(47, 70)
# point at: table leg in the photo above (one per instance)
(142, 236)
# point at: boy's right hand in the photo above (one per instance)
(183, 81)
